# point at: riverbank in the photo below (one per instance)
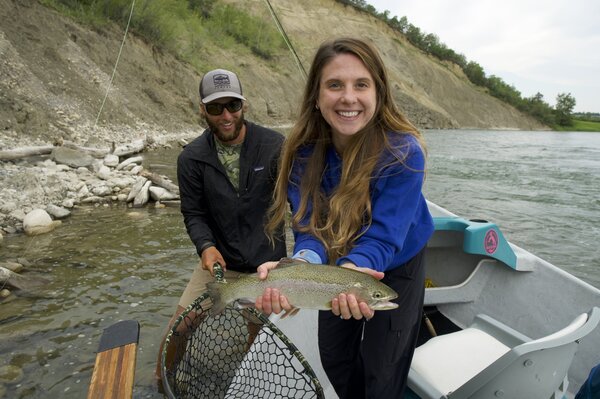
(105, 168)
(580, 125)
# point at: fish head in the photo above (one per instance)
(376, 294)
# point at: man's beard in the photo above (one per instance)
(227, 137)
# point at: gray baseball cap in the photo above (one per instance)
(218, 84)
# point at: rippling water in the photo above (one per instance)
(541, 188)
(106, 264)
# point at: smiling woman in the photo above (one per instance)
(352, 170)
(346, 97)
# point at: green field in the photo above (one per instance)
(581, 126)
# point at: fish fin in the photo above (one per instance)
(214, 291)
(243, 303)
(290, 313)
(285, 262)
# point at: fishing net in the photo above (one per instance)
(235, 354)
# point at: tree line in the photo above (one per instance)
(430, 43)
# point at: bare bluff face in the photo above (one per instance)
(55, 73)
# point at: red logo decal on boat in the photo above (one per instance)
(491, 241)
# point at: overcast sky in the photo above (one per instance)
(550, 46)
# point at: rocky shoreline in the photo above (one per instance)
(37, 191)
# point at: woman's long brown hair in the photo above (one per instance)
(337, 220)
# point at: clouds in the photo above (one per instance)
(548, 46)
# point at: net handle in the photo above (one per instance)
(219, 273)
(173, 331)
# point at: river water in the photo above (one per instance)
(106, 264)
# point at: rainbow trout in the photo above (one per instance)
(306, 286)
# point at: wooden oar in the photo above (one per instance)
(115, 362)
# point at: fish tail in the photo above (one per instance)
(215, 292)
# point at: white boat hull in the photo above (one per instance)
(533, 297)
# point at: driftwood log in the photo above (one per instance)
(160, 181)
(95, 152)
(130, 148)
(23, 152)
(122, 150)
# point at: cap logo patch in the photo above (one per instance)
(221, 81)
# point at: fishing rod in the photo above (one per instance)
(116, 63)
(286, 39)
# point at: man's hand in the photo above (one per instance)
(210, 256)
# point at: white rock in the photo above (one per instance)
(141, 198)
(17, 214)
(104, 172)
(8, 207)
(111, 160)
(57, 212)
(101, 190)
(137, 186)
(68, 203)
(38, 221)
(130, 161)
(121, 182)
(83, 192)
(135, 170)
(161, 194)
(92, 200)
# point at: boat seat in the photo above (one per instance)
(490, 360)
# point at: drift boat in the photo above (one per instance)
(508, 323)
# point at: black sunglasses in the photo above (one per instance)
(217, 109)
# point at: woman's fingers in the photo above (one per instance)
(285, 304)
(372, 272)
(354, 307)
(275, 301)
(263, 270)
(272, 301)
(366, 311)
(258, 304)
(345, 312)
(347, 306)
(335, 306)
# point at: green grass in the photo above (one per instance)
(180, 26)
(581, 126)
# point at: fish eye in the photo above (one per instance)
(377, 295)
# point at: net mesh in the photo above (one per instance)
(235, 354)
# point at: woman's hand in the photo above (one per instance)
(372, 272)
(347, 306)
(263, 270)
(271, 300)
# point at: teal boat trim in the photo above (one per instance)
(480, 238)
